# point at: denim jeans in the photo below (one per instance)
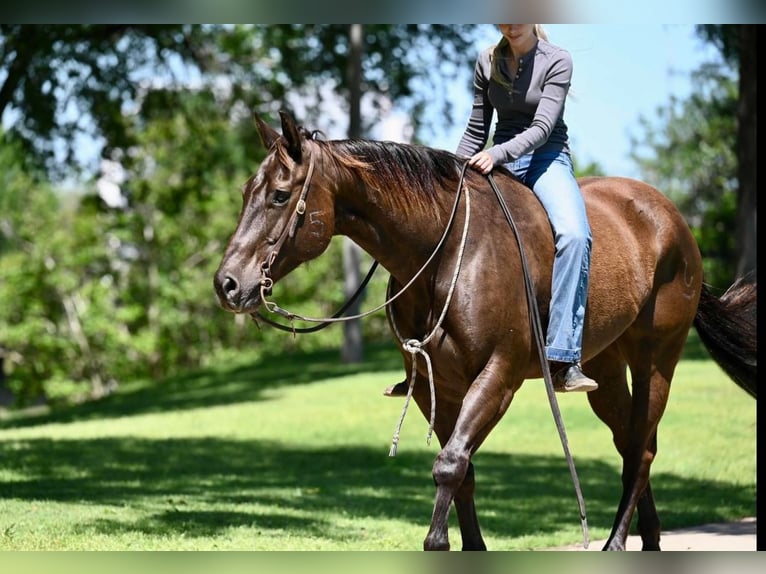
(551, 177)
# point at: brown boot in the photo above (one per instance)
(397, 390)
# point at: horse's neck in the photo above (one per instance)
(397, 231)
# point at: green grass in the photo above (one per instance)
(292, 453)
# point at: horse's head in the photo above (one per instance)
(286, 219)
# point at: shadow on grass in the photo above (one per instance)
(223, 385)
(220, 385)
(204, 486)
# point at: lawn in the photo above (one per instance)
(292, 453)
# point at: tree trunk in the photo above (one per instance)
(746, 227)
(72, 307)
(352, 350)
(6, 395)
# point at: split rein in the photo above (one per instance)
(414, 346)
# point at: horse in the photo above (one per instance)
(394, 200)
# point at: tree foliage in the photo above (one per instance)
(64, 84)
(689, 150)
(95, 293)
(692, 159)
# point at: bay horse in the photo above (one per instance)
(394, 200)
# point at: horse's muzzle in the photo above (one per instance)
(236, 297)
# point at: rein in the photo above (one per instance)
(414, 346)
(534, 318)
(267, 283)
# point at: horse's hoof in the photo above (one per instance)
(432, 545)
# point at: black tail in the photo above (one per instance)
(727, 327)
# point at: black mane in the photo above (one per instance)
(403, 166)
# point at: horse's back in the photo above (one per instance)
(644, 256)
(630, 214)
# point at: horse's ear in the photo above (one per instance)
(290, 133)
(267, 133)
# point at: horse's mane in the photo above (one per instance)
(412, 172)
(400, 165)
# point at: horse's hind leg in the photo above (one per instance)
(634, 428)
(612, 404)
(648, 519)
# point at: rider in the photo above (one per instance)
(524, 79)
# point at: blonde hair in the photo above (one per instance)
(501, 50)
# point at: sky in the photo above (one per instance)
(620, 73)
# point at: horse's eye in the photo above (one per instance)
(280, 197)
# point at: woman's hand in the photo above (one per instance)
(481, 162)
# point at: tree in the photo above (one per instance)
(410, 65)
(67, 83)
(352, 348)
(738, 46)
(692, 154)
(123, 290)
(49, 265)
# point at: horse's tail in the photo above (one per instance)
(727, 326)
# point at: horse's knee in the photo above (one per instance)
(451, 469)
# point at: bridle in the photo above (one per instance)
(287, 233)
(267, 282)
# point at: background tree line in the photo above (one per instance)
(106, 259)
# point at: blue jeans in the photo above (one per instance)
(551, 177)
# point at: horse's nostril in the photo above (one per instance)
(230, 285)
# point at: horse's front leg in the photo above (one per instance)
(465, 506)
(483, 406)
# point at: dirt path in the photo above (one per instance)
(731, 536)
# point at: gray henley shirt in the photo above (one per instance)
(529, 117)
